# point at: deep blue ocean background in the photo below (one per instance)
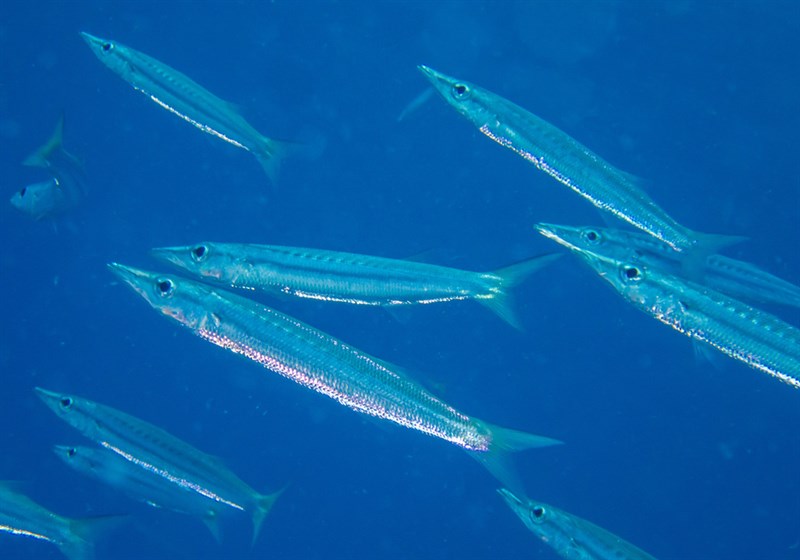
(679, 457)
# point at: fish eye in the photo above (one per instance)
(538, 513)
(107, 46)
(199, 253)
(592, 236)
(66, 402)
(165, 287)
(23, 191)
(460, 91)
(631, 273)
(71, 452)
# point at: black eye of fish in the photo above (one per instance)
(66, 402)
(592, 236)
(165, 287)
(538, 512)
(199, 252)
(460, 91)
(71, 451)
(23, 191)
(631, 273)
(107, 47)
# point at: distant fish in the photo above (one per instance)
(733, 277)
(164, 460)
(62, 191)
(21, 516)
(180, 95)
(348, 277)
(744, 333)
(570, 163)
(324, 364)
(571, 537)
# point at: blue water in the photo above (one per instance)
(682, 458)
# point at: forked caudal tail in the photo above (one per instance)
(272, 152)
(504, 442)
(501, 301)
(262, 507)
(84, 532)
(705, 244)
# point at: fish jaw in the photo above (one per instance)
(141, 281)
(513, 502)
(182, 257)
(95, 43)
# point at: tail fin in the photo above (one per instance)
(501, 301)
(505, 441)
(212, 522)
(263, 505)
(41, 157)
(272, 152)
(705, 244)
(84, 532)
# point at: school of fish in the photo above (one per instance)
(669, 271)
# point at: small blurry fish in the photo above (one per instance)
(744, 333)
(194, 475)
(19, 515)
(570, 163)
(350, 278)
(568, 535)
(180, 95)
(62, 191)
(730, 276)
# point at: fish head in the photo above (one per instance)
(466, 98)
(175, 297)
(107, 51)
(206, 260)
(75, 411)
(39, 199)
(77, 457)
(533, 514)
(573, 238)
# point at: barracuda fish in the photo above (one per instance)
(180, 95)
(735, 278)
(161, 455)
(744, 333)
(21, 516)
(570, 163)
(66, 186)
(347, 277)
(570, 536)
(320, 362)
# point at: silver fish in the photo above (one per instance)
(348, 277)
(570, 536)
(63, 191)
(163, 456)
(570, 163)
(180, 95)
(320, 362)
(744, 333)
(21, 516)
(733, 277)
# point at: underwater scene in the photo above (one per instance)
(495, 280)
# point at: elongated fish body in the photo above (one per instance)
(139, 483)
(21, 516)
(180, 95)
(744, 333)
(319, 361)
(162, 455)
(347, 277)
(569, 162)
(733, 277)
(571, 537)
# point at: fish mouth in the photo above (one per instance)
(170, 255)
(510, 498)
(51, 399)
(440, 81)
(92, 41)
(137, 279)
(556, 233)
(64, 450)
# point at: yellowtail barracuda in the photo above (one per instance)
(570, 163)
(744, 333)
(733, 277)
(349, 278)
(180, 95)
(197, 476)
(21, 516)
(325, 364)
(571, 537)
